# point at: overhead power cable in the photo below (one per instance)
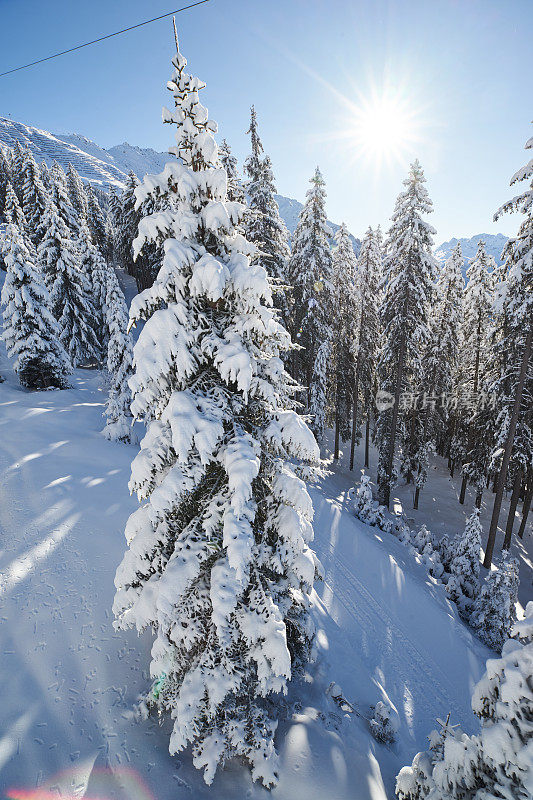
(102, 38)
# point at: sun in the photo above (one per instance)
(384, 129)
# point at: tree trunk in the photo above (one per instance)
(464, 484)
(479, 497)
(507, 452)
(452, 469)
(525, 508)
(354, 411)
(337, 435)
(367, 439)
(517, 484)
(417, 495)
(394, 422)
(488, 480)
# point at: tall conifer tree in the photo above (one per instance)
(263, 225)
(219, 564)
(409, 272)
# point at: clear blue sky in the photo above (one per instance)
(461, 67)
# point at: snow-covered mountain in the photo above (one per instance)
(89, 159)
(495, 242)
(107, 168)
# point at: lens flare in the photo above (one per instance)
(385, 128)
(122, 783)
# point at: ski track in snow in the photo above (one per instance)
(69, 681)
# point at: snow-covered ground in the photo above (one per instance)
(440, 510)
(69, 681)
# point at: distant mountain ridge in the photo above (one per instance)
(107, 168)
(88, 159)
(494, 243)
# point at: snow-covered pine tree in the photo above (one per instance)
(61, 200)
(13, 210)
(494, 611)
(76, 191)
(219, 564)
(12, 213)
(113, 212)
(119, 419)
(18, 155)
(496, 762)
(365, 344)
(34, 197)
(322, 382)
(409, 272)
(309, 273)
(30, 332)
(45, 176)
(263, 225)
(345, 312)
(127, 223)
(99, 274)
(516, 382)
(70, 288)
(477, 314)
(5, 178)
(229, 162)
(364, 506)
(443, 354)
(463, 583)
(96, 220)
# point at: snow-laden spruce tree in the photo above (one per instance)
(45, 176)
(18, 154)
(498, 761)
(263, 225)
(219, 564)
(443, 353)
(475, 354)
(12, 213)
(366, 336)
(364, 506)
(463, 583)
(61, 199)
(126, 225)
(113, 210)
(345, 312)
(30, 332)
(119, 419)
(76, 192)
(309, 274)
(5, 178)
(514, 386)
(95, 266)
(229, 162)
(70, 288)
(494, 611)
(321, 383)
(34, 197)
(95, 220)
(409, 271)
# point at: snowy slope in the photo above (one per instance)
(68, 680)
(110, 167)
(81, 152)
(494, 245)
